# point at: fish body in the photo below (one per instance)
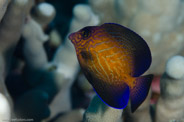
(112, 58)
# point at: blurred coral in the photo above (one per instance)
(66, 61)
(3, 7)
(98, 111)
(33, 104)
(40, 76)
(170, 105)
(72, 116)
(160, 23)
(10, 31)
(44, 13)
(5, 110)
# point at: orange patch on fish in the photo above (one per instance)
(112, 58)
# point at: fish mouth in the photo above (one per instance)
(71, 36)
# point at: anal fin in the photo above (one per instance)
(116, 96)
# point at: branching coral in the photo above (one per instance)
(44, 13)
(98, 111)
(170, 105)
(33, 49)
(3, 7)
(72, 116)
(38, 73)
(105, 15)
(13, 27)
(158, 22)
(83, 16)
(5, 110)
(10, 31)
(66, 61)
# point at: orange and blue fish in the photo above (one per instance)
(113, 58)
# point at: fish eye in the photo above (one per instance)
(85, 33)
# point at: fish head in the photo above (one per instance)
(82, 38)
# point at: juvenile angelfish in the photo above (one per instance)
(113, 58)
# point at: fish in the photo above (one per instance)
(113, 58)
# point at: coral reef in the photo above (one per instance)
(158, 25)
(170, 104)
(83, 15)
(33, 50)
(72, 116)
(98, 111)
(44, 13)
(33, 103)
(5, 110)
(66, 61)
(40, 77)
(10, 31)
(3, 7)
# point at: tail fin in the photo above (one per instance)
(139, 93)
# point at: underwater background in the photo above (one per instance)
(40, 77)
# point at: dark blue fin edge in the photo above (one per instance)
(115, 96)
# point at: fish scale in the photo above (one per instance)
(109, 51)
(113, 58)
